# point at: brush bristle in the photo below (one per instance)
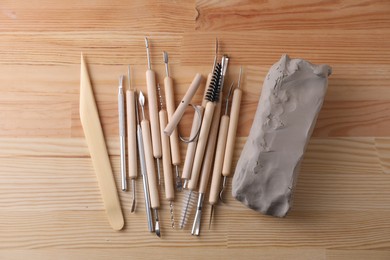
(189, 201)
(214, 88)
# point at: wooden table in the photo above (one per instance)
(50, 204)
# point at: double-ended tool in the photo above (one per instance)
(174, 137)
(153, 111)
(145, 182)
(150, 169)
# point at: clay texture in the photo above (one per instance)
(291, 98)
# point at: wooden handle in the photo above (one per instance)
(210, 150)
(150, 169)
(191, 147)
(217, 169)
(167, 163)
(174, 137)
(234, 114)
(204, 100)
(200, 148)
(93, 132)
(131, 134)
(153, 113)
(183, 105)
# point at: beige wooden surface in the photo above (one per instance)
(50, 205)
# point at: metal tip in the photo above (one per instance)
(239, 78)
(158, 171)
(198, 216)
(223, 189)
(146, 42)
(121, 81)
(179, 184)
(216, 53)
(228, 97)
(165, 55)
(133, 203)
(211, 215)
(141, 99)
(157, 226)
(185, 184)
(147, 52)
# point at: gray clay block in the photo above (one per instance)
(291, 98)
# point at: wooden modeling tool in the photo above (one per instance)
(174, 137)
(93, 132)
(153, 111)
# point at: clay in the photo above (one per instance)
(291, 98)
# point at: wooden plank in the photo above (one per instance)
(357, 254)
(266, 46)
(254, 15)
(24, 118)
(147, 16)
(170, 253)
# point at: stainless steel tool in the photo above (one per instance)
(150, 169)
(122, 132)
(141, 153)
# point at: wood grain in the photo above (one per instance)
(50, 204)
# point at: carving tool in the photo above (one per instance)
(131, 137)
(167, 162)
(122, 131)
(174, 137)
(178, 114)
(210, 151)
(153, 111)
(145, 183)
(151, 172)
(219, 155)
(212, 96)
(231, 136)
(93, 132)
(190, 153)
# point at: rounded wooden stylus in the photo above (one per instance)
(231, 136)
